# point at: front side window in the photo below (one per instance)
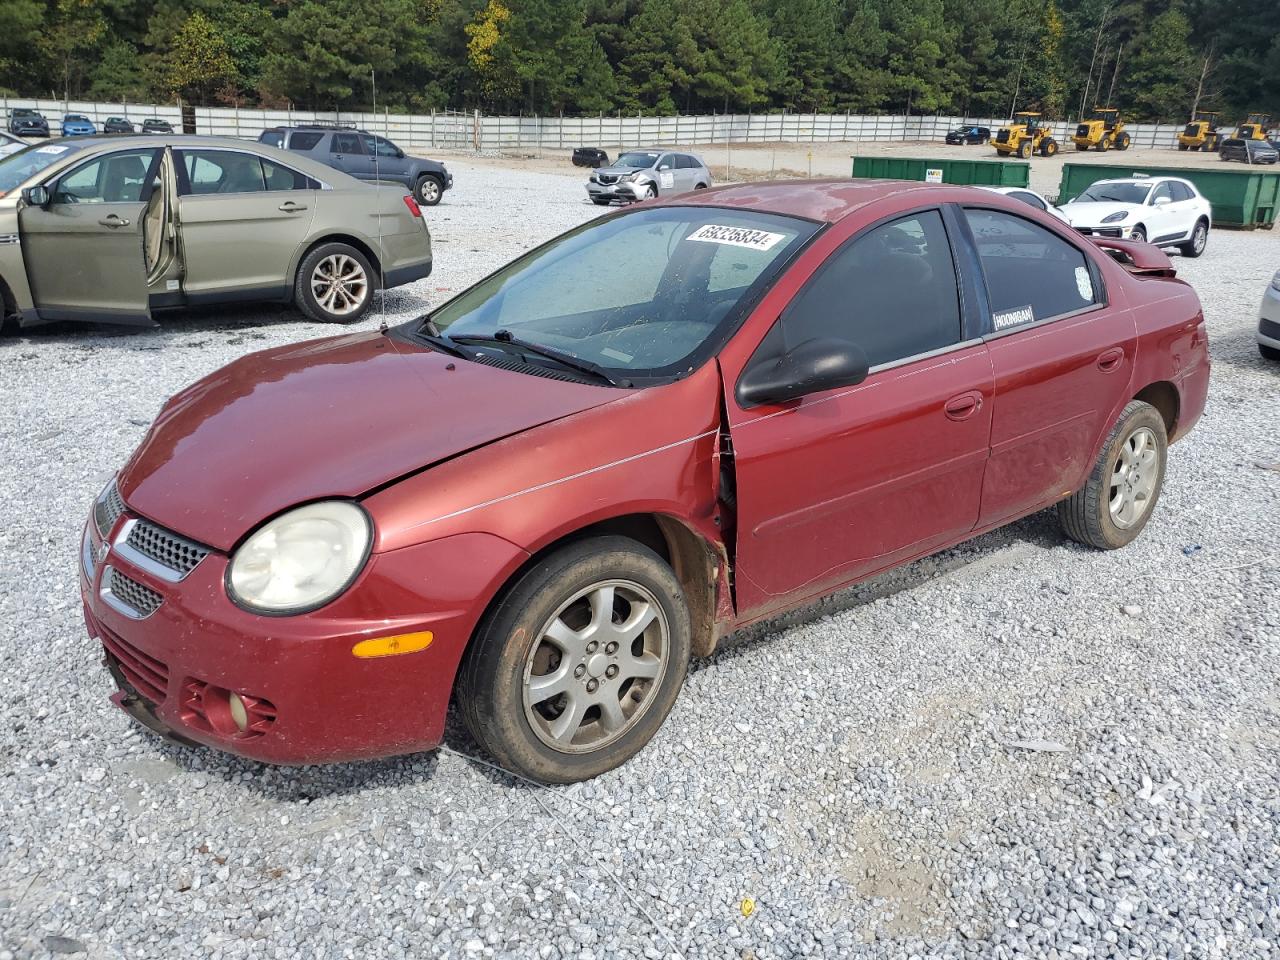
(1031, 273)
(380, 147)
(115, 178)
(222, 171)
(1162, 190)
(346, 143)
(891, 290)
(646, 294)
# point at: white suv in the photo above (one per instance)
(1166, 211)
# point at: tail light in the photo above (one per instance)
(412, 204)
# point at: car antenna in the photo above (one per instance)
(377, 188)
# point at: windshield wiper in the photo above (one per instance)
(429, 333)
(504, 338)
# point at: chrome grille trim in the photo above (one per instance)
(128, 596)
(159, 551)
(107, 509)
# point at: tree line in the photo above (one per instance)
(1155, 59)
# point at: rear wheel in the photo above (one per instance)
(1117, 500)
(335, 284)
(577, 666)
(1199, 238)
(428, 190)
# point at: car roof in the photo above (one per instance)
(823, 200)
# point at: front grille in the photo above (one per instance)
(131, 593)
(166, 548)
(1002, 136)
(607, 178)
(1082, 130)
(107, 509)
(146, 674)
(1269, 328)
(1192, 130)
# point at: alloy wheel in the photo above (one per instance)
(1133, 481)
(339, 284)
(1199, 238)
(429, 190)
(595, 666)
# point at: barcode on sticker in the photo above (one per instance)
(737, 236)
(1013, 318)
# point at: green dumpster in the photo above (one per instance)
(983, 173)
(1242, 196)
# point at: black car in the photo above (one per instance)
(1249, 151)
(156, 125)
(25, 122)
(364, 155)
(969, 135)
(590, 157)
(118, 125)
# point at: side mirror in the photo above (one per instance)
(1161, 201)
(813, 366)
(399, 154)
(37, 196)
(665, 166)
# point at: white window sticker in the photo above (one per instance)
(933, 175)
(52, 148)
(737, 237)
(666, 180)
(1012, 318)
(1084, 284)
(617, 355)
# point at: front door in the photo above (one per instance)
(840, 484)
(347, 153)
(241, 219)
(386, 160)
(1062, 357)
(84, 251)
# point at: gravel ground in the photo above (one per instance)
(1017, 748)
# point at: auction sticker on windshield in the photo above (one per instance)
(737, 236)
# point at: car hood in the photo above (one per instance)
(1091, 212)
(336, 417)
(619, 171)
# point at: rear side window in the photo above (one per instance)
(685, 163)
(304, 140)
(1031, 273)
(1030, 199)
(1181, 191)
(222, 171)
(891, 290)
(282, 178)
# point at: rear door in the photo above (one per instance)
(840, 484)
(84, 252)
(241, 219)
(1062, 356)
(347, 153)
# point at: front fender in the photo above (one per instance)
(13, 268)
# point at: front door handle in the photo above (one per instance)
(964, 406)
(111, 220)
(1110, 360)
(290, 207)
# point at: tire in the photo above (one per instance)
(1199, 240)
(1082, 147)
(1123, 142)
(1048, 148)
(1139, 233)
(1137, 448)
(650, 193)
(699, 186)
(428, 191)
(1024, 150)
(1183, 146)
(600, 203)
(513, 646)
(1269, 353)
(329, 260)
(1104, 145)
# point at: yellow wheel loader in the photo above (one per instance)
(1201, 133)
(1023, 136)
(1254, 128)
(1102, 130)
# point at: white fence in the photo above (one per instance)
(475, 131)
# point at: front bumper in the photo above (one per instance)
(626, 191)
(28, 130)
(1114, 230)
(1269, 318)
(310, 700)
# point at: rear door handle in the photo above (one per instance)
(1110, 360)
(290, 207)
(963, 406)
(111, 220)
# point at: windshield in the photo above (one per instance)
(645, 295)
(23, 112)
(77, 117)
(1116, 193)
(17, 168)
(638, 160)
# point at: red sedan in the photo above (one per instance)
(547, 495)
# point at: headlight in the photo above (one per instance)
(302, 559)
(1116, 217)
(630, 176)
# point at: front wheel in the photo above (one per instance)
(1123, 142)
(1117, 499)
(1199, 239)
(1049, 148)
(1268, 353)
(1138, 234)
(1024, 151)
(428, 190)
(578, 665)
(335, 284)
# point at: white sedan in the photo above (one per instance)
(1031, 199)
(1269, 321)
(1166, 211)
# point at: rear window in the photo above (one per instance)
(304, 140)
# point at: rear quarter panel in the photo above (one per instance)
(1173, 345)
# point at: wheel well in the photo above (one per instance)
(1162, 395)
(696, 564)
(339, 238)
(8, 306)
